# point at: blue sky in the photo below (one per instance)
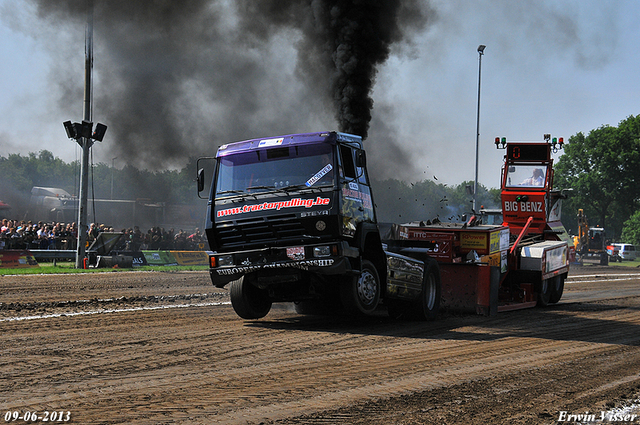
(558, 67)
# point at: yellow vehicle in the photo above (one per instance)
(590, 240)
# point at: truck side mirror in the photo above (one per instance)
(200, 180)
(361, 159)
(564, 193)
(200, 174)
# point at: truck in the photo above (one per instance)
(540, 248)
(292, 219)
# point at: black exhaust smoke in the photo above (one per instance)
(343, 43)
(173, 79)
(359, 35)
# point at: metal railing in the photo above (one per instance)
(53, 254)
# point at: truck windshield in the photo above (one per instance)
(526, 176)
(291, 167)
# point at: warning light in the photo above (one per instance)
(501, 143)
(556, 143)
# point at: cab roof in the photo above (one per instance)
(331, 137)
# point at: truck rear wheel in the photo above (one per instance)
(557, 288)
(249, 301)
(361, 294)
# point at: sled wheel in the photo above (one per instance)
(544, 295)
(557, 288)
(428, 306)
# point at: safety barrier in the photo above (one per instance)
(16, 259)
(29, 258)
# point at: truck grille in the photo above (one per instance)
(259, 230)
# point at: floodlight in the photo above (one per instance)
(70, 129)
(85, 129)
(98, 135)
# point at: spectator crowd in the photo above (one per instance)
(15, 234)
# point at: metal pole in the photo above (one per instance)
(475, 184)
(112, 163)
(86, 143)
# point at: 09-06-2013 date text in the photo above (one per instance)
(46, 416)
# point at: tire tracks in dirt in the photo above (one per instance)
(204, 365)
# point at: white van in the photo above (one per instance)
(626, 251)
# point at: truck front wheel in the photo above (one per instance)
(362, 294)
(249, 301)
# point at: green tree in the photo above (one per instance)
(631, 230)
(601, 168)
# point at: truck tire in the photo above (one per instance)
(249, 301)
(361, 294)
(544, 294)
(429, 306)
(557, 288)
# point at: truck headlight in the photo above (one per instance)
(225, 260)
(322, 251)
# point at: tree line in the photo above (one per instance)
(602, 168)
(18, 174)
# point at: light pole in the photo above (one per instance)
(112, 163)
(85, 136)
(475, 184)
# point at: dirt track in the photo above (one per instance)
(168, 348)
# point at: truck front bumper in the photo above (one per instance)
(272, 260)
